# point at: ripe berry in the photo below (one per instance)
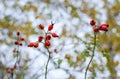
(92, 22)
(96, 29)
(50, 27)
(48, 37)
(54, 35)
(22, 39)
(31, 44)
(20, 43)
(40, 38)
(36, 44)
(16, 43)
(104, 27)
(18, 33)
(47, 43)
(41, 27)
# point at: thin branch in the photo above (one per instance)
(46, 68)
(93, 51)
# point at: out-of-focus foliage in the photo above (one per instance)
(74, 30)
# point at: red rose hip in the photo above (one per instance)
(31, 44)
(92, 22)
(50, 27)
(41, 27)
(95, 29)
(54, 35)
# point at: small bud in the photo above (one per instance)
(55, 50)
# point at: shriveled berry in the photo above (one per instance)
(40, 38)
(50, 27)
(92, 22)
(54, 35)
(9, 70)
(31, 44)
(96, 29)
(36, 44)
(48, 37)
(47, 43)
(41, 27)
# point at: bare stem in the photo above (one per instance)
(93, 51)
(46, 68)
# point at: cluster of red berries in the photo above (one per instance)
(44, 39)
(19, 39)
(102, 27)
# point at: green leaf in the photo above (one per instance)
(86, 53)
(59, 62)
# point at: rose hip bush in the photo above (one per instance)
(45, 39)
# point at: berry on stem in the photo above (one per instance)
(50, 27)
(31, 44)
(48, 37)
(92, 22)
(18, 33)
(20, 43)
(40, 38)
(36, 44)
(16, 43)
(54, 35)
(104, 27)
(41, 27)
(22, 39)
(47, 43)
(95, 29)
